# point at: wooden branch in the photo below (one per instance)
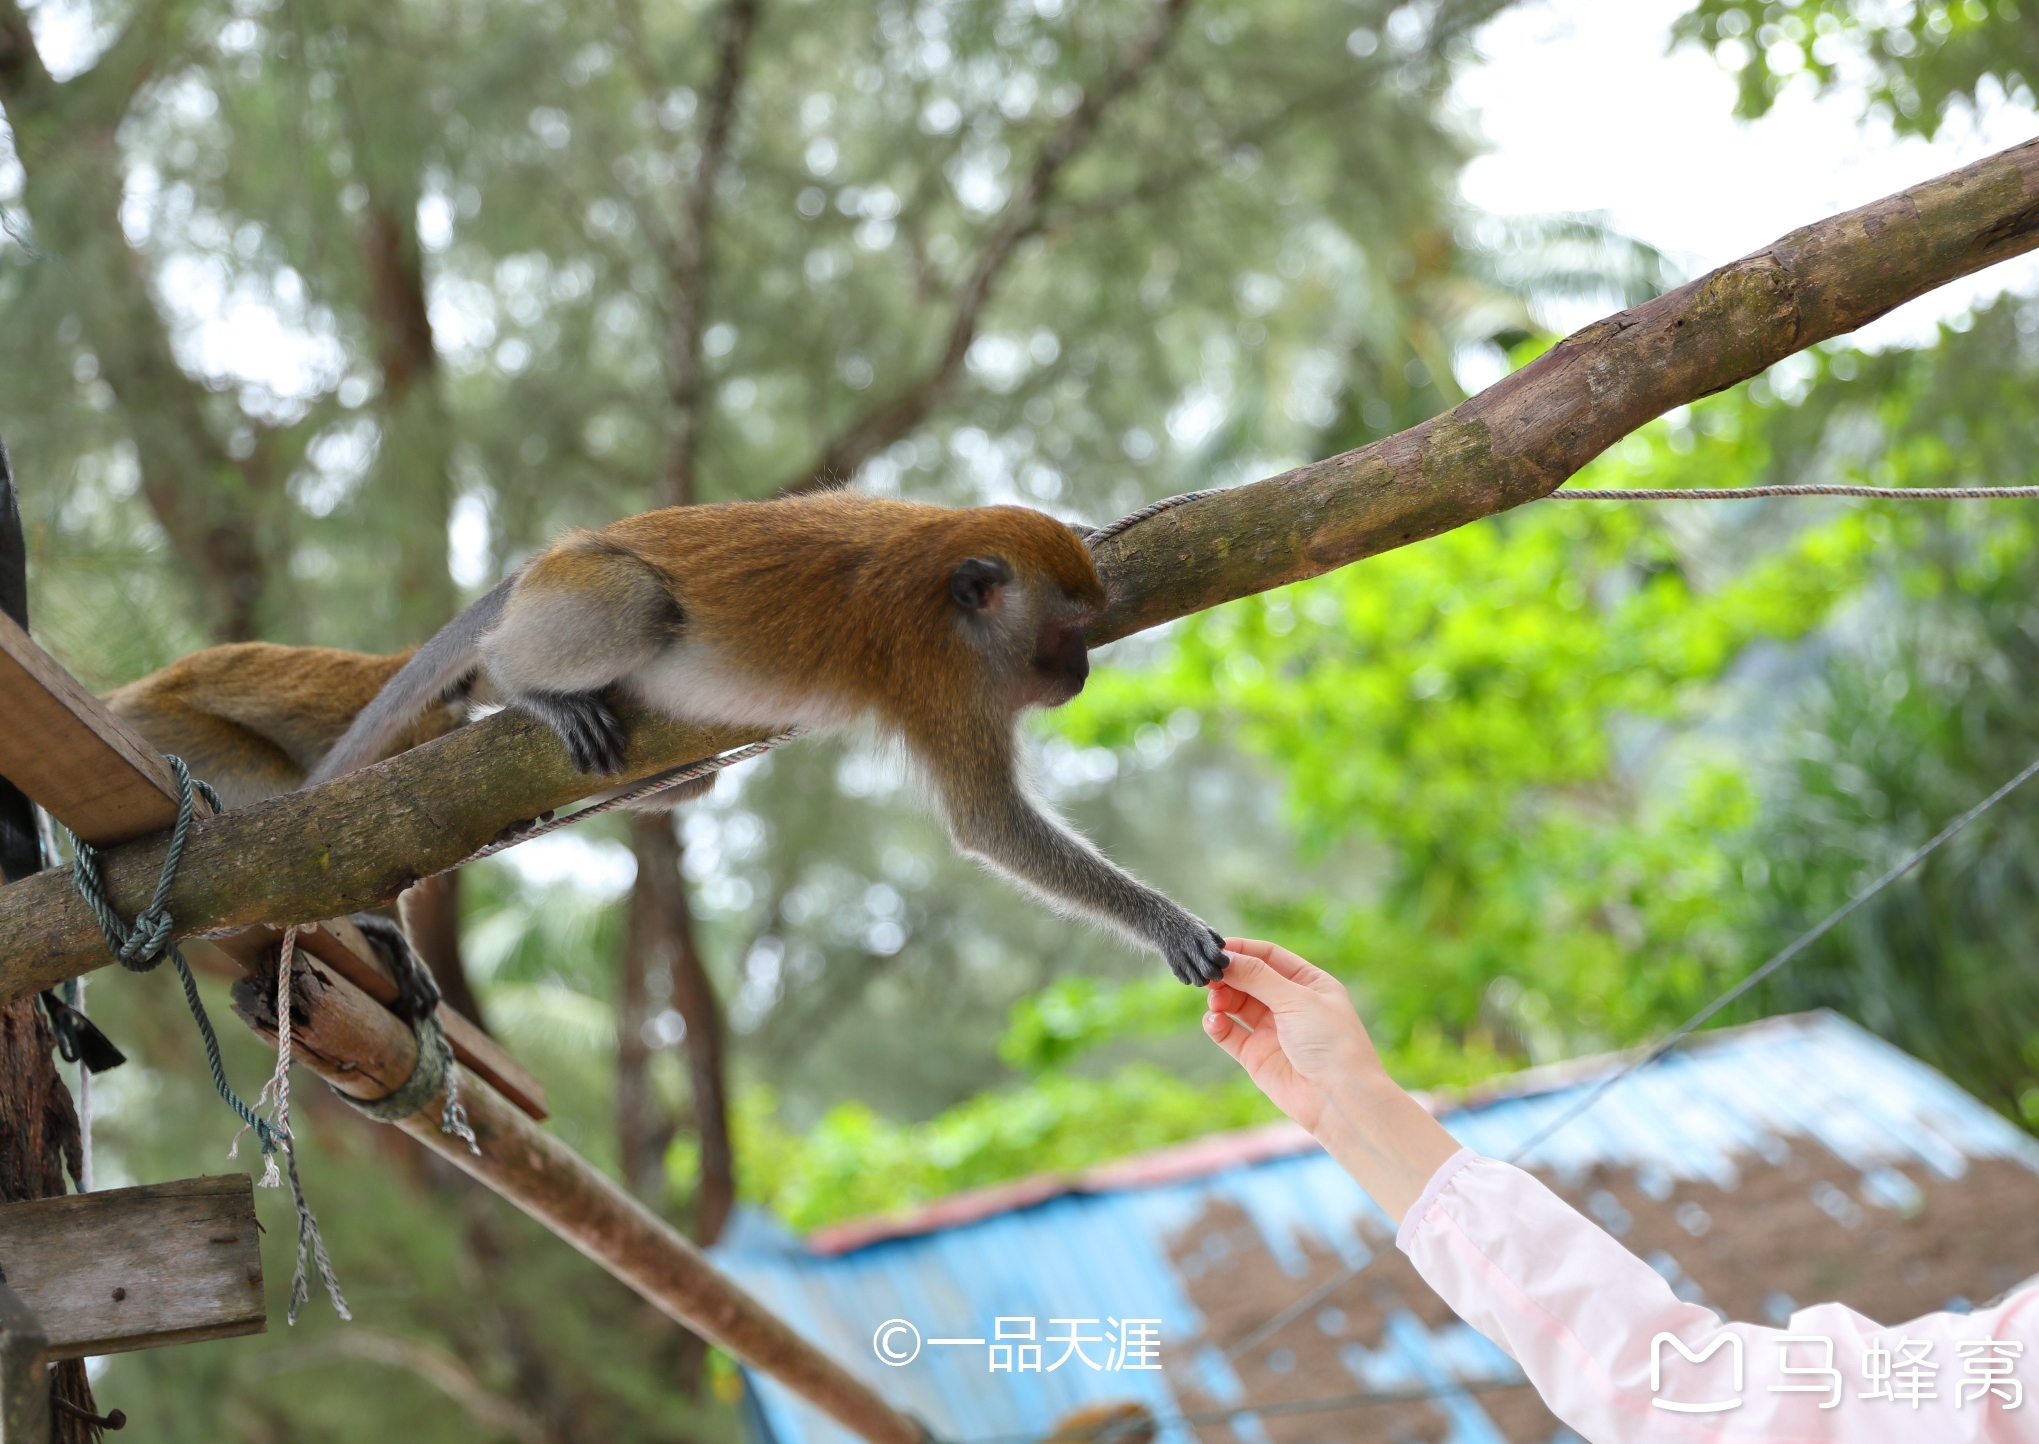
(896, 416)
(138, 1268)
(1522, 437)
(341, 946)
(361, 1049)
(361, 839)
(62, 746)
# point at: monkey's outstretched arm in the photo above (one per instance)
(1007, 830)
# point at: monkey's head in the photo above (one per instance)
(1025, 591)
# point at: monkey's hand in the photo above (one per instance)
(1195, 952)
(593, 734)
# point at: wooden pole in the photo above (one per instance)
(361, 1049)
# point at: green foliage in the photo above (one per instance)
(1920, 60)
(1449, 719)
(1071, 1015)
(1927, 709)
(856, 1162)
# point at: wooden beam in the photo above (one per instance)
(342, 947)
(138, 1268)
(89, 769)
(359, 1047)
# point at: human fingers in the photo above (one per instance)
(1249, 1010)
(1253, 976)
(1225, 1032)
(1255, 1050)
(1290, 965)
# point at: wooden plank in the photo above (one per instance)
(138, 1268)
(61, 746)
(340, 945)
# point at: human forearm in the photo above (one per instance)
(1382, 1136)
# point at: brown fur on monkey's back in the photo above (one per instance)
(252, 718)
(836, 589)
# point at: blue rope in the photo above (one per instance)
(140, 947)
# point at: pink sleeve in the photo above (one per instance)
(1586, 1319)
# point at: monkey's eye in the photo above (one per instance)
(974, 585)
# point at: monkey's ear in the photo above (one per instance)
(974, 585)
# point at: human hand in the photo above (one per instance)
(1301, 1034)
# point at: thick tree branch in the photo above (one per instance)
(360, 840)
(899, 414)
(1524, 436)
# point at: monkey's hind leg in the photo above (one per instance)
(580, 619)
(417, 991)
(594, 735)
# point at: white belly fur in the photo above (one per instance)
(690, 683)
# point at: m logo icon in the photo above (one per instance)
(1657, 1371)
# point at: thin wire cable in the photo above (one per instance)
(1790, 951)
(1294, 1311)
(652, 786)
(1750, 493)
(1152, 509)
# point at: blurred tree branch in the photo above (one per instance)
(688, 248)
(1023, 215)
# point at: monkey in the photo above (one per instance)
(940, 624)
(252, 718)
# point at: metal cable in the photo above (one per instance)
(673, 777)
(1790, 951)
(1749, 493)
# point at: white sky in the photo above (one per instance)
(1586, 112)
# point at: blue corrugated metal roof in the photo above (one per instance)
(1737, 1093)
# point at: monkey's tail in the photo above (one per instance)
(442, 663)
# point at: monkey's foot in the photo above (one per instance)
(1195, 953)
(593, 736)
(417, 991)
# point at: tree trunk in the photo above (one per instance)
(662, 967)
(650, 939)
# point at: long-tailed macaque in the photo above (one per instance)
(940, 624)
